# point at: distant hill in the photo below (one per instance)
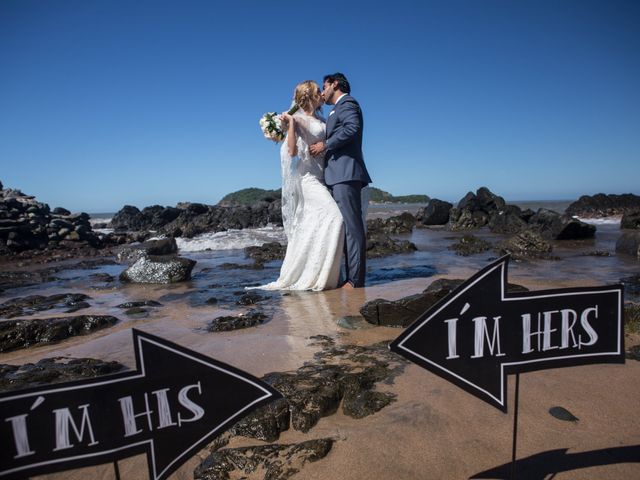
(380, 196)
(248, 196)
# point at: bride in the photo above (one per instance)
(312, 221)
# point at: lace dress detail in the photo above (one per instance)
(312, 221)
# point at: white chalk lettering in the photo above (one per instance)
(569, 318)
(482, 334)
(185, 401)
(546, 337)
(584, 321)
(129, 416)
(64, 419)
(164, 410)
(20, 434)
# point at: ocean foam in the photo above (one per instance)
(232, 239)
(600, 220)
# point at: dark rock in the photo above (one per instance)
(246, 266)
(78, 306)
(475, 210)
(250, 298)
(136, 312)
(271, 462)
(53, 370)
(632, 317)
(629, 243)
(266, 252)
(601, 205)
(574, 229)
(61, 211)
(435, 213)
(403, 312)
(382, 245)
(343, 373)
(190, 219)
(140, 303)
(212, 301)
(526, 245)
(266, 423)
(16, 334)
(244, 320)
(400, 224)
(159, 269)
(631, 220)
(470, 245)
(507, 221)
(597, 253)
(23, 306)
(633, 353)
(132, 253)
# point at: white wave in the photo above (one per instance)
(95, 221)
(232, 239)
(600, 220)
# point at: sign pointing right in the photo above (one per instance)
(479, 333)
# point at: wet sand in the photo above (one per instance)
(433, 430)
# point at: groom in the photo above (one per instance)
(345, 173)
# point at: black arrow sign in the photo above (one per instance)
(174, 403)
(479, 333)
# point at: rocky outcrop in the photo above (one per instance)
(266, 252)
(249, 319)
(190, 219)
(484, 208)
(403, 312)
(273, 462)
(601, 205)
(382, 245)
(159, 269)
(629, 244)
(475, 210)
(53, 370)
(435, 213)
(527, 244)
(400, 224)
(23, 306)
(631, 220)
(16, 334)
(132, 253)
(26, 224)
(470, 245)
(551, 225)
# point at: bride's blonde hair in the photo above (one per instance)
(307, 95)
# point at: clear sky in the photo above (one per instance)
(114, 102)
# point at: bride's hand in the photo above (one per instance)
(287, 119)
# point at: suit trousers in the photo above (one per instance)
(348, 197)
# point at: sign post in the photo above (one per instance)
(172, 405)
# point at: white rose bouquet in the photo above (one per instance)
(271, 125)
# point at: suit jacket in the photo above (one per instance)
(344, 160)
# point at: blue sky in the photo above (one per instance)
(107, 103)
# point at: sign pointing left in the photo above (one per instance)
(174, 403)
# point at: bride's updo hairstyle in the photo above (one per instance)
(307, 95)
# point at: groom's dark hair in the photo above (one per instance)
(343, 83)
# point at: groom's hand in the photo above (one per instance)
(317, 148)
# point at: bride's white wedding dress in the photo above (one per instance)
(312, 221)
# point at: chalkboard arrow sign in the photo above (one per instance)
(479, 333)
(174, 403)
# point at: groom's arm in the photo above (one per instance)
(351, 125)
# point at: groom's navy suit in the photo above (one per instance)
(345, 174)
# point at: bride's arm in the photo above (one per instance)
(291, 134)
